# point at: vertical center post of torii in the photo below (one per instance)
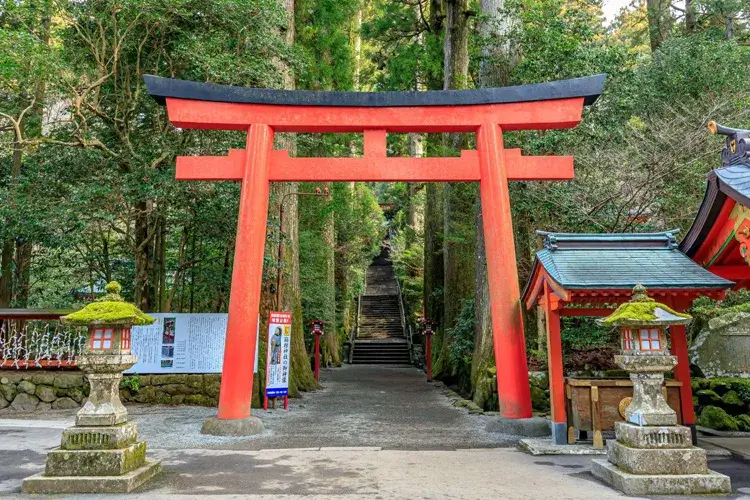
(261, 112)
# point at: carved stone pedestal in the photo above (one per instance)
(101, 453)
(652, 455)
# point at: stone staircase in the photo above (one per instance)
(381, 337)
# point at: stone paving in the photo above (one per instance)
(373, 432)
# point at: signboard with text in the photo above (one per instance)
(181, 343)
(279, 348)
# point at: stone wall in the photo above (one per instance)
(29, 390)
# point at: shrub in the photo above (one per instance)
(714, 417)
(743, 422)
(708, 397)
(132, 382)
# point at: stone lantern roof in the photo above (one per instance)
(642, 310)
(109, 310)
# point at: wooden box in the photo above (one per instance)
(594, 404)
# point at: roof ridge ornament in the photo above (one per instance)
(737, 149)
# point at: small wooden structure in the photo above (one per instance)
(594, 405)
(591, 274)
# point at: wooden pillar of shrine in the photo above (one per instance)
(679, 348)
(555, 364)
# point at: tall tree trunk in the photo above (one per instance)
(690, 24)
(7, 263)
(143, 256)
(659, 21)
(331, 347)
(300, 376)
(459, 206)
(496, 62)
(729, 27)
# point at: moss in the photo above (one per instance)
(135, 458)
(109, 310)
(714, 417)
(720, 386)
(640, 309)
(708, 397)
(539, 399)
(743, 422)
(732, 403)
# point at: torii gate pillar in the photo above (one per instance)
(261, 112)
(505, 297)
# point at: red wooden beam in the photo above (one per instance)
(586, 311)
(536, 115)
(733, 273)
(45, 363)
(373, 167)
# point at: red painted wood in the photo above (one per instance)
(317, 358)
(586, 311)
(555, 361)
(514, 396)
(11, 363)
(428, 356)
(375, 143)
(720, 231)
(678, 336)
(538, 115)
(733, 273)
(372, 168)
(235, 395)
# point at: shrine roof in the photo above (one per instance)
(731, 182)
(727, 183)
(618, 261)
(588, 87)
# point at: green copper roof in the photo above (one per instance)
(620, 261)
(109, 310)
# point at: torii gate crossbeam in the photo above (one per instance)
(486, 112)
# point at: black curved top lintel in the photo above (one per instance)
(588, 87)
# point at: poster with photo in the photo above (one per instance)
(182, 343)
(277, 360)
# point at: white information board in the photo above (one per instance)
(182, 343)
(277, 361)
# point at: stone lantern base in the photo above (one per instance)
(657, 460)
(102, 459)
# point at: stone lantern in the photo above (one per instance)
(101, 453)
(652, 455)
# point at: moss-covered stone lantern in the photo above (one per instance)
(645, 354)
(101, 453)
(652, 455)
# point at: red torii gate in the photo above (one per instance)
(486, 112)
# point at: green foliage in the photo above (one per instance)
(131, 382)
(585, 333)
(715, 418)
(461, 344)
